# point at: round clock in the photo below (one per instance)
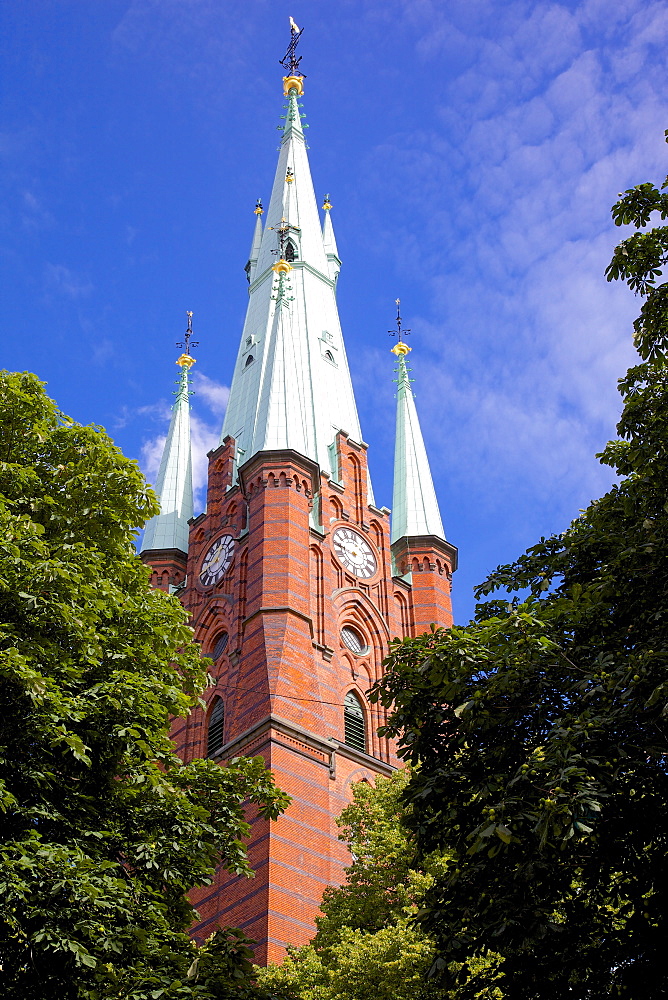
(217, 559)
(354, 552)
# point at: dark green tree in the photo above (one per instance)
(540, 730)
(103, 829)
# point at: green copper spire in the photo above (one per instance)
(291, 386)
(414, 504)
(169, 529)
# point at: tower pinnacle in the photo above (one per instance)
(169, 529)
(414, 505)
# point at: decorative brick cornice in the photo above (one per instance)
(163, 556)
(422, 544)
(280, 460)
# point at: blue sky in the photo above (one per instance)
(472, 151)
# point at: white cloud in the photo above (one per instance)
(517, 362)
(214, 394)
(64, 281)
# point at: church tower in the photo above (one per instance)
(294, 584)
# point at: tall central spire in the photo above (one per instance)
(291, 386)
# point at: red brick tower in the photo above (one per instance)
(294, 585)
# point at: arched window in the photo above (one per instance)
(215, 733)
(290, 252)
(353, 723)
(249, 360)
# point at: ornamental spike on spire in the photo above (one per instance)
(291, 386)
(169, 529)
(257, 241)
(414, 505)
(329, 241)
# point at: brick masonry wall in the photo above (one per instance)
(285, 671)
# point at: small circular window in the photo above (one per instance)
(353, 640)
(221, 645)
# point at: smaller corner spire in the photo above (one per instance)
(169, 529)
(257, 242)
(293, 80)
(329, 241)
(415, 510)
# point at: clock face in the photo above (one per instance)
(216, 561)
(354, 552)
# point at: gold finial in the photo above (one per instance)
(401, 349)
(185, 361)
(289, 176)
(281, 267)
(258, 207)
(327, 204)
(293, 83)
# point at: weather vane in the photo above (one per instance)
(186, 343)
(290, 61)
(398, 332)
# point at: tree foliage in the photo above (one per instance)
(367, 943)
(104, 830)
(540, 729)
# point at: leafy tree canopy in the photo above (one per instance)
(540, 728)
(367, 943)
(103, 829)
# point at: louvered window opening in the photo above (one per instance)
(353, 723)
(221, 645)
(215, 734)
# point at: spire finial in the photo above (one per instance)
(400, 348)
(186, 359)
(258, 207)
(327, 205)
(290, 62)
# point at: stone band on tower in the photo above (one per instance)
(294, 586)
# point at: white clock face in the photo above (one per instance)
(354, 552)
(216, 561)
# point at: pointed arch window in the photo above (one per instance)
(353, 723)
(216, 729)
(249, 360)
(290, 251)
